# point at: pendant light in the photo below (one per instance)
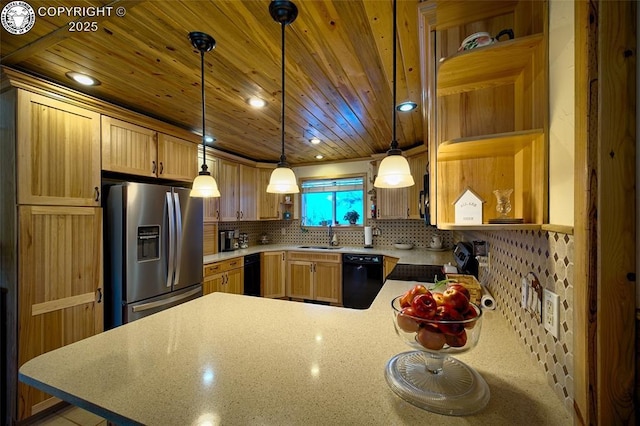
(394, 169)
(283, 180)
(204, 185)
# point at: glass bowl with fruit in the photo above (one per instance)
(436, 325)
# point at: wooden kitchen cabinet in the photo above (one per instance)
(58, 151)
(273, 274)
(248, 200)
(269, 203)
(226, 276)
(314, 276)
(388, 264)
(177, 158)
(238, 185)
(211, 204)
(137, 150)
(60, 291)
(404, 203)
(488, 110)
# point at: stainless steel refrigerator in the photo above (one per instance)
(153, 256)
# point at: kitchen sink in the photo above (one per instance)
(320, 247)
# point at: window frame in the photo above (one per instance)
(362, 176)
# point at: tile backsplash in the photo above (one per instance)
(513, 254)
(391, 231)
(549, 255)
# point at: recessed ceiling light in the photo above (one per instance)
(208, 139)
(83, 79)
(314, 141)
(406, 106)
(256, 102)
(319, 157)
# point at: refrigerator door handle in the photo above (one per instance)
(178, 240)
(172, 225)
(167, 301)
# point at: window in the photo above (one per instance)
(327, 201)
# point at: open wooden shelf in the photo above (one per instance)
(501, 144)
(489, 66)
(490, 227)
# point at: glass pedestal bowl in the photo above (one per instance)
(428, 377)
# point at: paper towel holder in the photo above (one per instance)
(368, 235)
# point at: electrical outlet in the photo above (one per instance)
(550, 312)
(283, 231)
(525, 293)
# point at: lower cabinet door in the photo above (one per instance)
(60, 286)
(328, 282)
(235, 281)
(299, 279)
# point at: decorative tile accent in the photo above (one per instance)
(550, 257)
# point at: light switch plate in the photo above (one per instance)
(551, 312)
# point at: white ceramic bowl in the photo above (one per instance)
(403, 246)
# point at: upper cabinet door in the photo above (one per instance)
(229, 190)
(418, 166)
(248, 193)
(58, 148)
(127, 148)
(177, 158)
(269, 203)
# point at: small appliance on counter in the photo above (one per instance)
(228, 241)
(466, 261)
(244, 240)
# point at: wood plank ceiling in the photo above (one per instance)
(338, 70)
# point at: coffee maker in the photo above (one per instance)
(228, 240)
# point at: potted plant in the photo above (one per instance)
(352, 216)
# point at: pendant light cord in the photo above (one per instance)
(394, 142)
(283, 158)
(204, 134)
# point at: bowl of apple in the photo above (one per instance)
(437, 325)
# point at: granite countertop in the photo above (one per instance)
(414, 256)
(232, 359)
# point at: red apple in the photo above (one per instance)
(456, 299)
(456, 341)
(408, 296)
(431, 338)
(424, 305)
(438, 298)
(448, 313)
(471, 313)
(460, 288)
(405, 322)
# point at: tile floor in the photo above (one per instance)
(72, 416)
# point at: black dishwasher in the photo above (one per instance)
(362, 279)
(252, 274)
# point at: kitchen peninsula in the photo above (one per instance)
(230, 359)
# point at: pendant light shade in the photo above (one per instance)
(204, 185)
(394, 171)
(283, 180)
